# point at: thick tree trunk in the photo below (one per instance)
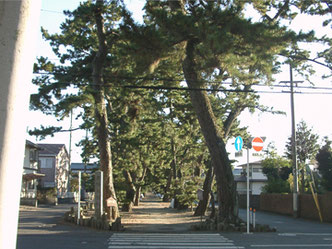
(101, 114)
(168, 186)
(203, 204)
(213, 206)
(137, 195)
(130, 193)
(226, 189)
(139, 186)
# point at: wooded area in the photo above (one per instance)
(163, 97)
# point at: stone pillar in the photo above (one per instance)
(98, 194)
(19, 23)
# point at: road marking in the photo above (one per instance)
(293, 245)
(169, 241)
(287, 234)
(305, 234)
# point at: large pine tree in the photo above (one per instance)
(215, 41)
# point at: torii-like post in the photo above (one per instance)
(19, 23)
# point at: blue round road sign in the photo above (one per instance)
(238, 143)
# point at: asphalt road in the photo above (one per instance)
(291, 233)
(43, 228)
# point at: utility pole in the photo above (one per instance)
(294, 150)
(19, 22)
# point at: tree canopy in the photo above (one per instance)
(157, 95)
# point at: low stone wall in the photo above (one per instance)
(29, 202)
(89, 220)
(283, 204)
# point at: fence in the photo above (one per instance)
(283, 204)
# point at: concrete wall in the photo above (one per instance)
(283, 204)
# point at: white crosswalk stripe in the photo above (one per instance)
(169, 241)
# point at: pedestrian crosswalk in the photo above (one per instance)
(169, 241)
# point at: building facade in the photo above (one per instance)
(257, 179)
(54, 163)
(31, 172)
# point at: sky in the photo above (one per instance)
(314, 109)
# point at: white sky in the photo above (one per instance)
(315, 110)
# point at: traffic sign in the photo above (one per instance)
(257, 144)
(238, 143)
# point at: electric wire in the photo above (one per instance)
(196, 89)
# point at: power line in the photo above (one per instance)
(196, 89)
(52, 11)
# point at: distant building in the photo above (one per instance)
(257, 179)
(31, 172)
(84, 168)
(54, 163)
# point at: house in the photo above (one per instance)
(31, 174)
(54, 163)
(257, 179)
(84, 168)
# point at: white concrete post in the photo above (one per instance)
(248, 185)
(19, 23)
(79, 197)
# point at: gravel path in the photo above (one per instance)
(153, 215)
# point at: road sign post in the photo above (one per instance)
(257, 144)
(238, 143)
(248, 172)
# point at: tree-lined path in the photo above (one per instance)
(153, 215)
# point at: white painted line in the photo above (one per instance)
(176, 241)
(305, 234)
(168, 234)
(169, 243)
(294, 245)
(287, 234)
(173, 247)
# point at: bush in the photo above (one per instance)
(277, 186)
(185, 191)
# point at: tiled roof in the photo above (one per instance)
(31, 144)
(50, 149)
(80, 166)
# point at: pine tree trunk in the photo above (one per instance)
(139, 185)
(101, 114)
(166, 197)
(213, 206)
(130, 193)
(203, 204)
(137, 196)
(226, 189)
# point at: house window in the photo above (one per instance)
(49, 184)
(31, 184)
(46, 163)
(33, 156)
